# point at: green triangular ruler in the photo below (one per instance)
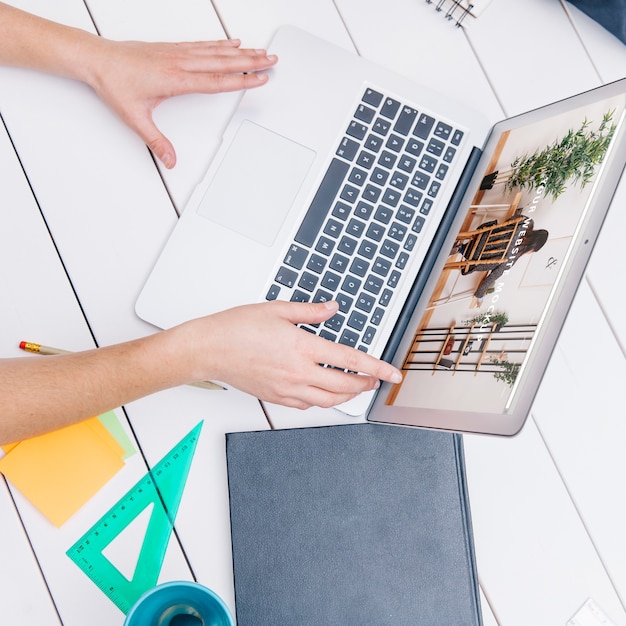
(161, 487)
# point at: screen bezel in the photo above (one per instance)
(509, 423)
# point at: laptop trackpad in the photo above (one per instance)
(256, 183)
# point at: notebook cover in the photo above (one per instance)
(352, 524)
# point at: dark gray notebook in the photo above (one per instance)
(358, 524)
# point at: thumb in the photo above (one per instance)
(311, 312)
(158, 143)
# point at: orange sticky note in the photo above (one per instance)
(60, 471)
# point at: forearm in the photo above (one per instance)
(38, 394)
(33, 42)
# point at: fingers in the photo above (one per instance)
(337, 355)
(230, 69)
(158, 143)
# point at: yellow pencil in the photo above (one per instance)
(37, 348)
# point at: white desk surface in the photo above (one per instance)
(85, 212)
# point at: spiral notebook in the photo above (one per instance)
(460, 12)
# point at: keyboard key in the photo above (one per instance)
(331, 281)
(418, 224)
(448, 155)
(357, 176)
(365, 302)
(407, 163)
(296, 256)
(379, 176)
(372, 97)
(457, 137)
(394, 143)
(375, 231)
(405, 214)
(435, 147)
(405, 120)
(410, 242)
(381, 126)
(286, 277)
(359, 266)
(339, 263)
(383, 214)
(394, 279)
(385, 298)
(420, 180)
(323, 200)
(427, 205)
(423, 126)
(377, 316)
(441, 172)
(357, 321)
(381, 266)
(349, 193)
(389, 249)
(391, 197)
(333, 228)
(347, 246)
(351, 285)
(373, 143)
(363, 210)
(316, 263)
(308, 281)
(325, 334)
(364, 113)
(390, 108)
(347, 149)
(399, 180)
(428, 163)
(371, 193)
(356, 130)
(355, 228)
(387, 159)
(373, 284)
(300, 296)
(414, 147)
(322, 296)
(335, 322)
(349, 338)
(397, 231)
(443, 131)
(366, 159)
(413, 197)
(402, 260)
(341, 210)
(367, 249)
(324, 246)
(434, 188)
(368, 335)
(345, 302)
(273, 292)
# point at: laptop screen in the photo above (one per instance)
(475, 350)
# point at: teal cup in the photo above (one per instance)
(179, 603)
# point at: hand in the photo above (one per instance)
(134, 77)
(259, 349)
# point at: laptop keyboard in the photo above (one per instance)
(366, 217)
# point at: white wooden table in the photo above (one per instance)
(85, 212)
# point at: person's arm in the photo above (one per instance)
(256, 348)
(131, 77)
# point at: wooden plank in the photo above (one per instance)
(607, 52)
(193, 123)
(531, 53)
(580, 414)
(536, 563)
(411, 38)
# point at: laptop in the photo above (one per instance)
(453, 250)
